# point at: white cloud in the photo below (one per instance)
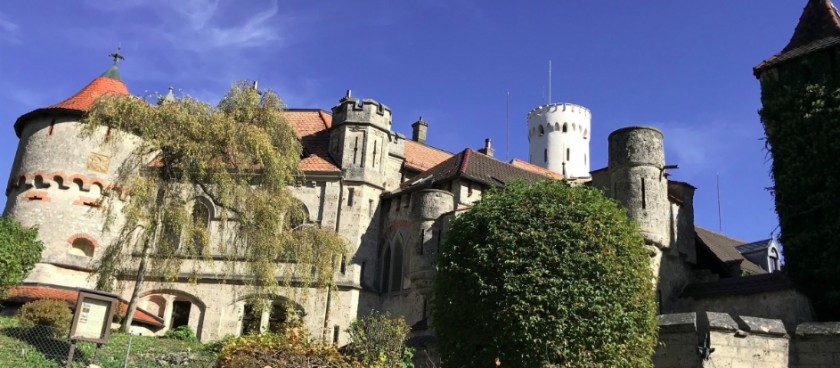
(8, 30)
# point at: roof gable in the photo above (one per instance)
(478, 167)
(818, 28)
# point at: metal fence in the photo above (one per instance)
(46, 346)
(25, 346)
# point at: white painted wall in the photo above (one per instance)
(548, 140)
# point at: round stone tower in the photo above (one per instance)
(636, 169)
(558, 136)
(57, 178)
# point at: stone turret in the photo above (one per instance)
(361, 139)
(636, 170)
(558, 137)
(57, 178)
(429, 205)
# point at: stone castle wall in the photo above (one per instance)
(742, 341)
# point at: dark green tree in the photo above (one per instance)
(545, 275)
(20, 250)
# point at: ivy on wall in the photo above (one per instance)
(801, 118)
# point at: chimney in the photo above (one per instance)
(418, 130)
(487, 150)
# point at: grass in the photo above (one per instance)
(20, 348)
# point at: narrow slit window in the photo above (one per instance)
(644, 199)
(336, 331)
(375, 151)
(545, 155)
(356, 150)
(568, 154)
(350, 195)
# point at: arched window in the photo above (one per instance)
(565, 127)
(250, 320)
(556, 126)
(300, 216)
(585, 133)
(82, 247)
(386, 270)
(201, 223)
(542, 130)
(773, 260)
(397, 271)
(278, 315)
(180, 313)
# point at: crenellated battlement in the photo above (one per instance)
(563, 107)
(366, 111)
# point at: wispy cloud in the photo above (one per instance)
(702, 146)
(8, 30)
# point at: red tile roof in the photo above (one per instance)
(312, 127)
(539, 170)
(81, 101)
(25, 293)
(421, 157)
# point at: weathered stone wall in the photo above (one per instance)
(787, 305)
(741, 341)
(677, 345)
(817, 345)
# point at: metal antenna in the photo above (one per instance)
(720, 219)
(549, 81)
(507, 127)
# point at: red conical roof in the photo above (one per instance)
(818, 28)
(106, 84)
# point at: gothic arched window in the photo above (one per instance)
(565, 127)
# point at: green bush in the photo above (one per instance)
(183, 333)
(544, 275)
(378, 340)
(47, 312)
(20, 250)
(290, 350)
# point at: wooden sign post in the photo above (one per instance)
(92, 321)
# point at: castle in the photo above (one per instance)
(391, 197)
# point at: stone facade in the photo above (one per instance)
(723, 340)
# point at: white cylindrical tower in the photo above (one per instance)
(558, 136)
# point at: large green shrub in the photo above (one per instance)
(801, 117)
(20, 250)
(544, 275)
(47, 313)
(378, 341)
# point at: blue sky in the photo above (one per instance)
(684, 67)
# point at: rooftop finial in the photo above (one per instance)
(117, 56)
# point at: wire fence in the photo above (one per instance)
(47, 346)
